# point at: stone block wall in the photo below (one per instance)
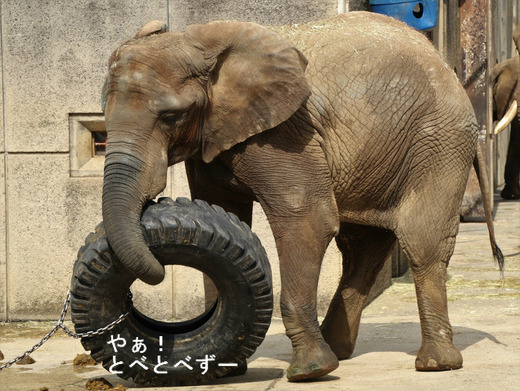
(54, 57)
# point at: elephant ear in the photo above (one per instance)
(256, 81)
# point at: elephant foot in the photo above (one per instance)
(510, 193)
(310, 364)
(341, 346)
(438, 358)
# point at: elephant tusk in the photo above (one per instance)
(507, 118)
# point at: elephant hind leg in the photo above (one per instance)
(364, 250)
(426, 231)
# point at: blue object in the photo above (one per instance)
(421, 15)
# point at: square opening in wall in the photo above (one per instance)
(99, 143)
(88, 140)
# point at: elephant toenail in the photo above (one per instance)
(314, 367)
(293, 372)
(431, 363)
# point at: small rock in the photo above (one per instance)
(102, 384)
(26, 361)
(84, 360)
(44, 388)
(98, 384)
(1, 355)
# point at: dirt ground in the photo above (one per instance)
(484, 311)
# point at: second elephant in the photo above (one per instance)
(505, 85)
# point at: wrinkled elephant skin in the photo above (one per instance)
(362, 133)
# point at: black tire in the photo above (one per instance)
(187, 233)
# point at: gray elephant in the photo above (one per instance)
(362, 133)
(505, 108)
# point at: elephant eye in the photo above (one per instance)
(171, 119)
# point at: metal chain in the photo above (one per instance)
(61, 325)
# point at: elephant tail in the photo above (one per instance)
(483, 179)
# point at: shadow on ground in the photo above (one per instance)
(390, 337)
(382, 337)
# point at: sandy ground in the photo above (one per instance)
(484, 311)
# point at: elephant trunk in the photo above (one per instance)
(123, 200)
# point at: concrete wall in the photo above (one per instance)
(53, 61)
(54, 57)
(3, 242)
(270, 12)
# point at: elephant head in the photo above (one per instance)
(194, 94)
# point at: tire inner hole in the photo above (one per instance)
(178, 304)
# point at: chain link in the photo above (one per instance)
(61, 325)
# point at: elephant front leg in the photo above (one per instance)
(301, 247)
(287, 172)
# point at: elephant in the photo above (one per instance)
(505, 95)
(350, 128)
